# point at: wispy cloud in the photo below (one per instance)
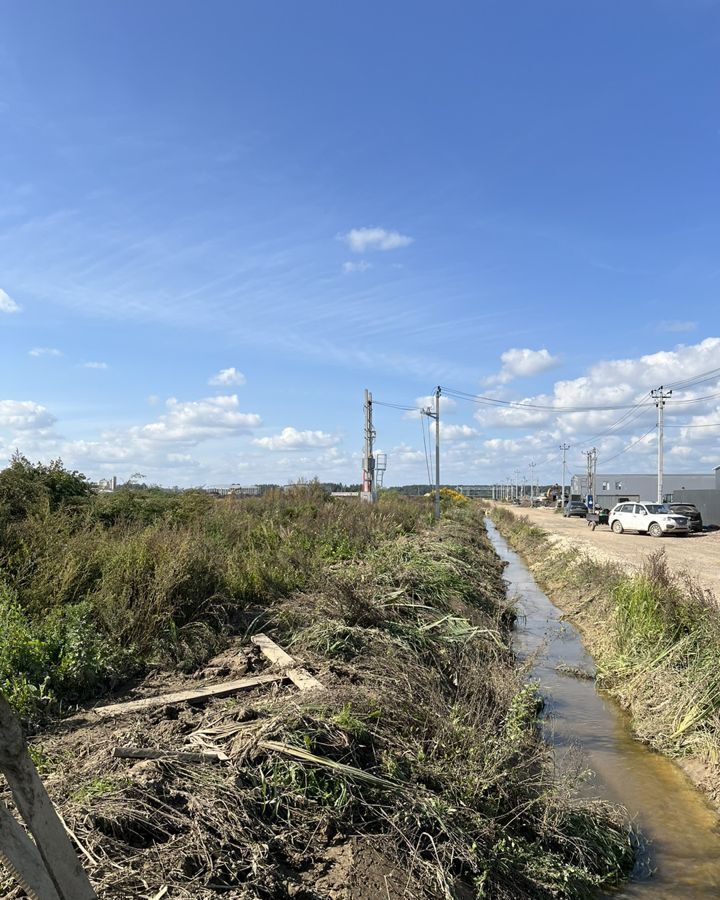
(361, 265)
(7, 304)
(676, 325)
(360, 240)
(226, 377)
(44, 351)
(94, 365)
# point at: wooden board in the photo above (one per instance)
(300, 677)
(22, 859)
(270, 650)
(52, 843)
(179, 755)
(224, 689)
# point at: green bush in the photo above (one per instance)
(61, 656)
(97, 584)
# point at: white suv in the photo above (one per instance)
(654, 518)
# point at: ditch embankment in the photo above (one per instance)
(679, 846)
(698, 553)
(654, 634)
(417, 771)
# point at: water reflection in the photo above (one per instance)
(682, 858)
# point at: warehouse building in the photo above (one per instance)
(614, 488)
(707, 501)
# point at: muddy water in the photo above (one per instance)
(681, 859)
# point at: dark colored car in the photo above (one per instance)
(575, 508)
(691, 512)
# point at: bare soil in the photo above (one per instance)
(698, 554)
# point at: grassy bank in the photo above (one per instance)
(419, 771)
(655, 637)
(93, 588)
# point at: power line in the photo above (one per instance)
(707, 425)
(695, 399)
(520, 404)
(629, 446)
(700, 378)
(625, 419)
(396, 406)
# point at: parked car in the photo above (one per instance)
(691, 512)
(655, 519)
(575, 508)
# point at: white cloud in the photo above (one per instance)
(360, 240)
(228, 377)
(197, 420)
(292, 439)
(7, 304)
(522, 363)
(362, 265)
(457, 432)
(620, 383)
(675, 325)
(44, 351)
(162, 445)
(25, 415)
(94, 365)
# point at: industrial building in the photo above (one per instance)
(614, 488)
(706, 500)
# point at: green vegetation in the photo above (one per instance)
(424, 745)
(92, 587)
(655, 637)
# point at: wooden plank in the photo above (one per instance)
(303, 680)
(22, 858)
(270, 650)
(52, 842)
(300, 677)
(179, 755)
(224, 689)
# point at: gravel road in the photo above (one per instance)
(698, 554)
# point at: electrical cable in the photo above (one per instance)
(700, 378)
(518, 404)
(706, 425)
(629, 446)
(396, 406)
(674, 402)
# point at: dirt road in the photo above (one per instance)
(698, 554)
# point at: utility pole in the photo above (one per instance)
(532, 481)
(367, 492)
(660, 396)
(564, 447)
(437, 452)
(436, 415)
(591, 472)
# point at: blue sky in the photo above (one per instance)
(298, 201)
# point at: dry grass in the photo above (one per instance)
(424, 749)
(655, 637)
